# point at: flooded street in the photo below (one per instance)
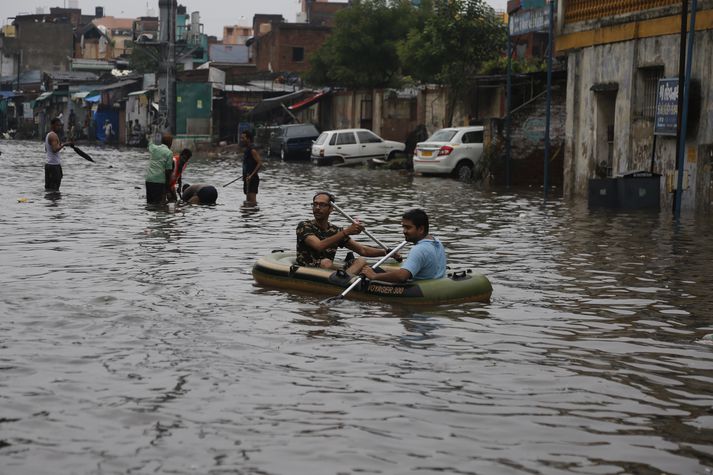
(135, 340)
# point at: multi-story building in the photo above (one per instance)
(617, 51)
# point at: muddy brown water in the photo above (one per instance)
(134, 340)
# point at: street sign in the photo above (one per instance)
(666, 119)
(526, 21)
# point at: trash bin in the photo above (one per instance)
(639, 190)
(603, 193)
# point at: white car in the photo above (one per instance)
(351, 147)
(453, 151)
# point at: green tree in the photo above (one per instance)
(452, 46)
(144, 58)
(362, 51)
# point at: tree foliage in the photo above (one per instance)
(454, 44)
(362, 51)
(144, 58)
(384, 43)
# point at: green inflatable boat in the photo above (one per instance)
(278, 269)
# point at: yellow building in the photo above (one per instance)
(616, 52)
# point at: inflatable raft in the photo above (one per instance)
(278, 269)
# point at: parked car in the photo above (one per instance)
(351, 147)
(292, 141)
(455, 151)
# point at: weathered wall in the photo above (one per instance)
(38, 52)
(274, 50)
(619, 64)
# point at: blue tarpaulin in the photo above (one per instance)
(96, 98)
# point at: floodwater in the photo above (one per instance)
(134, 340)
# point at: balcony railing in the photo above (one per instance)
(582, 10)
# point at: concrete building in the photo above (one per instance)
(119, 30)
(616, 53)
(236, 34)
(287, 46)
(319, 12)
(37, 51)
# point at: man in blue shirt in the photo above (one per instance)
(427, 259)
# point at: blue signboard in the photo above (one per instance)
(526, 21)
(666, 119)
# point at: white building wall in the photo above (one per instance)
(619, 63)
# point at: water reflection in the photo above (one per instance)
(135, 339)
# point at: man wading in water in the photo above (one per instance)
(252, 163)
(53, 165)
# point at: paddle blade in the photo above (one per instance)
(82, 153)
(332, 300)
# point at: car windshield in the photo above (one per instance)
(443, 135)
(301, 131)
(321, 139)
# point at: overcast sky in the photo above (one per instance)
(214, 13)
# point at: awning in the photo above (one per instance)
(307, 102)
(138, 93)
(96, 98)
(44, 96)
(6, 94)
(273, 103)
(79, 95)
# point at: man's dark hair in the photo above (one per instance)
(418, 217)
(329, 195)
(186, 152)
(56, 120)
(249, 134)
(208, 195)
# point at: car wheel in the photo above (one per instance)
(392, 155)
(283, 153)
(464, 171)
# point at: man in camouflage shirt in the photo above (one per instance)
(318, 239)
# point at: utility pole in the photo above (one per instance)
(508, 106)
(167, 68)
(548, 113)
(684, 85)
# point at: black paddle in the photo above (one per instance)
(336, 298)
(238, 178)
(80, 152)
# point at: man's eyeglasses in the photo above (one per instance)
(317, 204)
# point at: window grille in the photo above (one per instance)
(649, 80)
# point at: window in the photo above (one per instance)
(301, 131)
(333, 140)
(648, 79)
(346, 138)
(366, 136)
(443, 135)
(473, 137)
(321, 139)
(298, 54)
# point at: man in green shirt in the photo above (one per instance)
(158, 173)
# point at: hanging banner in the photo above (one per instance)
(666, 119)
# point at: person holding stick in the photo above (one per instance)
(53, 163)
(318, 239)
(252, 163)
